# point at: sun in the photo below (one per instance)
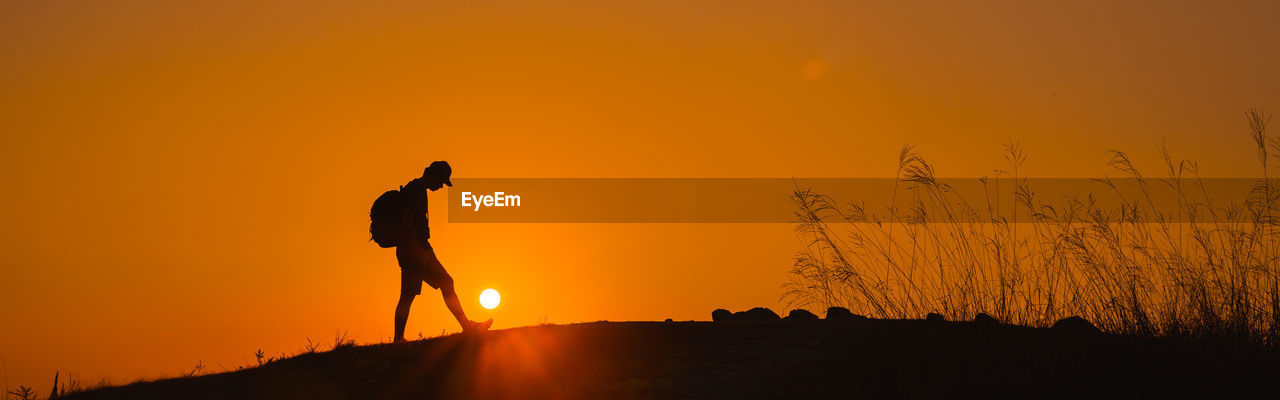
(489, 299)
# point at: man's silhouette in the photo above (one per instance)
(418, 262)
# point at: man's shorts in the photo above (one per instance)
(418, 267)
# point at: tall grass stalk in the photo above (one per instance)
(1200, 268)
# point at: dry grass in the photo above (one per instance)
(1198, 268)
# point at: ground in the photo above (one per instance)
(750, 359)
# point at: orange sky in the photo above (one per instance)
(187, 181)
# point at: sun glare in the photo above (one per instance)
(489, 299)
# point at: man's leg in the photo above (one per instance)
(402, 314)
(451, 301)
(455, 307)
(438, 278)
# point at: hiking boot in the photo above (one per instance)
(477, 327)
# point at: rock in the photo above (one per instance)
(841, 313)
(669, 320)
(935, 317)
(721, 315)
(1075, 325)
(985, 319)
(759, 314)
(801, 314)
(838, 313)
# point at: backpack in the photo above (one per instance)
(384, 219)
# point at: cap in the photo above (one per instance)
(439, 170)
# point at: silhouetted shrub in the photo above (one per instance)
(1139, 263)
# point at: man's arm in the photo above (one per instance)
(413, 216)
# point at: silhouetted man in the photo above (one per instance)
(418, 262)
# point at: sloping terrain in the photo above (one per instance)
(754, 359)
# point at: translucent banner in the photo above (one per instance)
(785, 200)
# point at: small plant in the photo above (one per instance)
(195, 370)
(261, 357)
(23, 393)
(70, 384)
(311, 347)
(340, 340)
